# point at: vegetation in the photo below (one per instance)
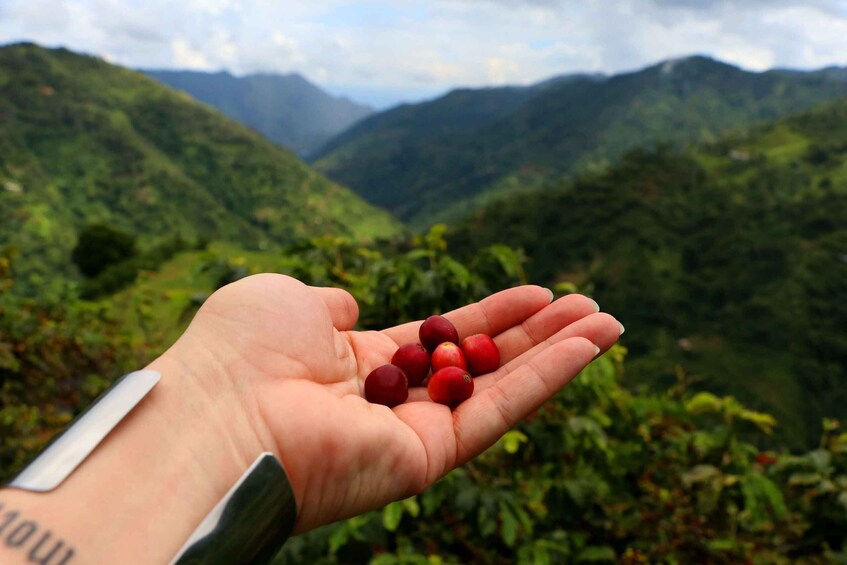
(421, 160)
(600, 474)
(728, 261)
(84, 142)
(100, 247)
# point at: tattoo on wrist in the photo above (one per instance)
(16, 532)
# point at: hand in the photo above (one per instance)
(288, 352)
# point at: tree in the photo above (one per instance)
(101, 246)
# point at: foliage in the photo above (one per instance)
(58, 351)
(401, 282)
(83, 141)
(422, 161)
(601, 475)
(123, 273)
(56, 355)
(727, 260)
(100, 247)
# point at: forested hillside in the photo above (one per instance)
(84, 142)
(729, 260)
(421, 160)
(287, 109)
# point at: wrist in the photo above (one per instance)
(157, 474)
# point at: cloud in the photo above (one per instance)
(185, 56)
(426, 46)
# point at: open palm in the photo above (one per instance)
(291, 352)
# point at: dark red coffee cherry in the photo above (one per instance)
(387, 385)
(413, 359)
(435, 330)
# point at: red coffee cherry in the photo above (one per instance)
(435, 330)
(387, 385)
(450, 386)
(413, 359)
(448, 355)
(481, 354)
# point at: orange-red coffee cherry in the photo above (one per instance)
(450, 386)
(435, 330)
(448, 355)
(481, 354)
(387, 385)
(413, 359)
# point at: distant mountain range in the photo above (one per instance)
(84, 142)
(422, 160)
(287, 109)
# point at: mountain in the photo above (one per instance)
(726, 262)
(287, 109)
(421, 160)
(85, 142)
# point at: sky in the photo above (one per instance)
(382, 53)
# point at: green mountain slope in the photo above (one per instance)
(84, 142)
(287, 109)
(727, 262)
(419, 160)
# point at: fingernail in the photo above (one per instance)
(596, 351)
(550, 292)
(623, 329)
(596, 306)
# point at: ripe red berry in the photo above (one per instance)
(387, 385)
(448, 355)
(481, 354)
(450, 386)
(436, 330)
(413, 359)
(766, 459)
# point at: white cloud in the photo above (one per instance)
(426, 46)
(184, 56)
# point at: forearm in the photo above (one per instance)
(142, 491)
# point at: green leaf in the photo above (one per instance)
(804, 479)
(764, 422)
(597, 553)
(391, 516)
(721, 544)
(486, 522)
(338, 538)
(820, 458)
(411, 506)
(566, 287)
(512, 441)
(704, 402)
(761, 498)
(509, 525)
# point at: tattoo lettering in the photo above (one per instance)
(22, 534)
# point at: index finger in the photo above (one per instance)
(491, 315)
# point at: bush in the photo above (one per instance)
(101, 246)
